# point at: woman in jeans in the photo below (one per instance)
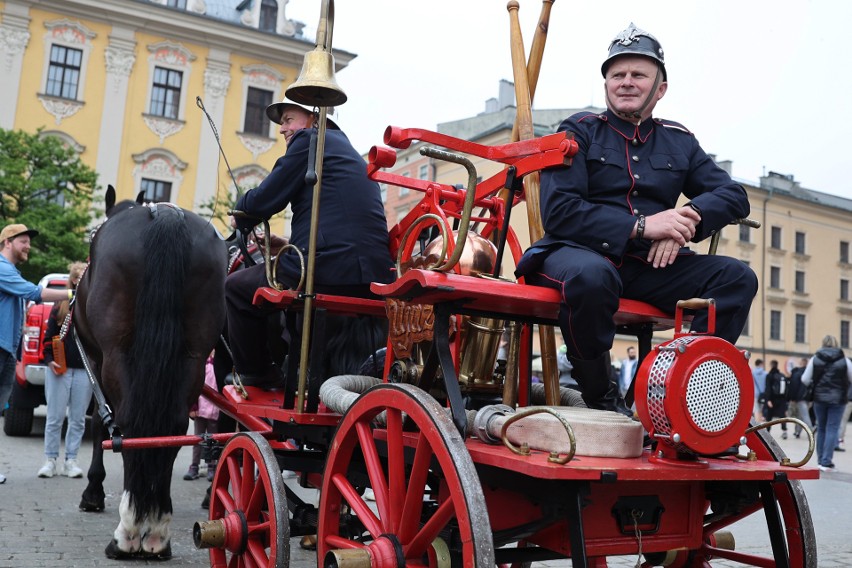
(65, 390)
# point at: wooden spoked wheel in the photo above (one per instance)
(792, 543)
(430, 510)
(248, 496)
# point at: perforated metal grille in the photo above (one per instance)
(713, 396)
(657, 384)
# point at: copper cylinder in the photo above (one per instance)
(481, 344)
(478, 257)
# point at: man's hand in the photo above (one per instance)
(663, 253)
(276, 243)
(670, 230)
(677, 224)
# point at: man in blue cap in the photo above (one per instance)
(613, 227)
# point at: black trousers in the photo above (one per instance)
(591, 286)
(247, 323)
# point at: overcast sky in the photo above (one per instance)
(766, 84)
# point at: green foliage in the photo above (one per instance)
(46, 186)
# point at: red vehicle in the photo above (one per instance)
(28, 390)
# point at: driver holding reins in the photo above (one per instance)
(613, 228)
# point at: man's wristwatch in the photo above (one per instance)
(695, 208)
(640, 227)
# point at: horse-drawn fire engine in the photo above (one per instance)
(470, 462)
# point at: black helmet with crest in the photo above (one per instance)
(634, 41)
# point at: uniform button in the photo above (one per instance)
(635, 158)
(635, 142)
(635, 176)
(603, 159)
(669, 166)
(635, 194)
(635, 211)
(605, 246)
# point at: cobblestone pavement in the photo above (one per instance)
(40, 524)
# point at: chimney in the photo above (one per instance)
(506, 94)
(491, 105)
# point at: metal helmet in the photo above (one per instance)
(634, 41)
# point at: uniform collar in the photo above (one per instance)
(627, 129)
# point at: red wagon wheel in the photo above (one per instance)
(249, 499)
(794, 537)
(430, 510)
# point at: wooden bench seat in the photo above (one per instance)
(343, 305)
(517, 301)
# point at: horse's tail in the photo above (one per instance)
(159, 371)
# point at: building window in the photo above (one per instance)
(800, 242)
(844, 252)
(745, 234)
(165, 95)
(268, 16)
(256, 120)
(844, 334)
(403, 191)
(63, 75)
(800, 328)
(800, 281)
(775, 277)
(844, 289)
(776, 238)
(424, 172)
(176, 4)
(156, 190)
(775, 324)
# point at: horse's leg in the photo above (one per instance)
(93, 496)
(148, 537)
(156, 540)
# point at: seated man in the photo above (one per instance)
(352, 241)
(612, 225)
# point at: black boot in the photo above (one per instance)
(599, 388)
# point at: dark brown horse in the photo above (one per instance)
(148, 312)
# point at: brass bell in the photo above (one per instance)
(316, 85)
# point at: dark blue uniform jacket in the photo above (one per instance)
(352, 241)
(622, 171)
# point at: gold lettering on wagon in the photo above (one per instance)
(408, 324)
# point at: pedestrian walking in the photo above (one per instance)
(205, 414)
(775, 396)
(800, 397)
(831, 374)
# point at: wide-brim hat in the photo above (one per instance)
(275, 110)
(16, 230)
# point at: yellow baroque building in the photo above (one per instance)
(119, 81)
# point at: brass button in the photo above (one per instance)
(635, 194)
(636, 176)
(635, 158)
(635, 142)
(635, 211)
(605, 246)
(603, 159)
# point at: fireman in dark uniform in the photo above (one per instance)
(352, 238)
(613, 227)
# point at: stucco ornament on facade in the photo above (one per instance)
(12, 43)
(162, 127)
(69, 32)
(171, 54)
(262, 76)
(60, 108)
(119, 61)
(255, 144)
(216, 82)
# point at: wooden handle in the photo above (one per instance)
(524, 124)
(695, 303)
